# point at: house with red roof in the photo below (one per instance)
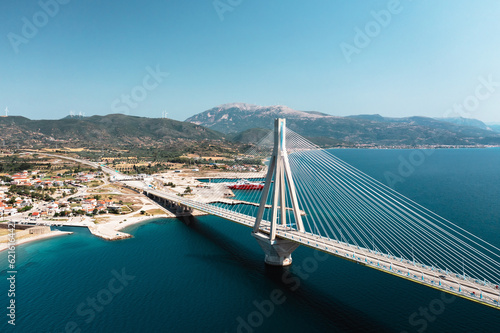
(8, 210)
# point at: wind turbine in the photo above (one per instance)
(6, 111)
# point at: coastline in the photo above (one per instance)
(55, 233)
(111, 230)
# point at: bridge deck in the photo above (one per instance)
(449, 282)
(477, 291)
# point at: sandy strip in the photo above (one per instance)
(110, 230)
(4, 246)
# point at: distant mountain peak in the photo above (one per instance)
(253, 107)
(224, 116)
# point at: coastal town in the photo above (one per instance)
(65, 197)
(53, 192)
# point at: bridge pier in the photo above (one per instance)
(278, 251)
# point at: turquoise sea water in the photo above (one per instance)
(209, 275)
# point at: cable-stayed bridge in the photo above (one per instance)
(312, 198)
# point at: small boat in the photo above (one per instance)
(246, 185)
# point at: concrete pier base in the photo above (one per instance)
(278, 252)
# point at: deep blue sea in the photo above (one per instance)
(209, 275)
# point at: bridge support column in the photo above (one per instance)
(278, 252)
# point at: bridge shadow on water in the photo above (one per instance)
(335, 313)
(233, 249)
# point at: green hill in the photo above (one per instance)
(110, 130)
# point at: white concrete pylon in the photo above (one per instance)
(279, 170)
(278, 251)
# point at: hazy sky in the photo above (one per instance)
(396, 58)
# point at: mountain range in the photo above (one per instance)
(116, 130)
(232, 124)
(351, 130)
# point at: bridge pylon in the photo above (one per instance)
(278, 251)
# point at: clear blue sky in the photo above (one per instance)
(429, 57)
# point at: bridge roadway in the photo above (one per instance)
(478, 291)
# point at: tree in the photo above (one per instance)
(188, 190)
(25, 209)
(5, 178)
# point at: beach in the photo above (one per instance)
(5, 245)
(111, 229)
